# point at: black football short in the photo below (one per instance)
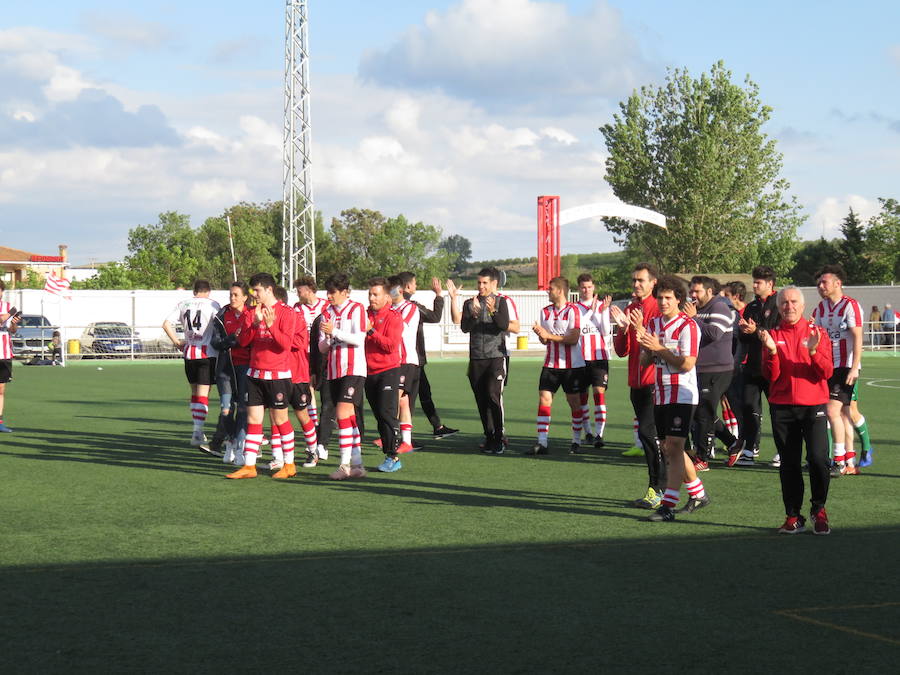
(348, 389)
(838, 389)
(5, 371)
(200, 371)
(572, 380)
(272, 394)
(674, 419)
(598, 373)
(300, 395)
(409, 381)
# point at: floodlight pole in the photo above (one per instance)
(298, 245)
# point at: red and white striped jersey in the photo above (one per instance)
(596, 332)
(411, 317)
(681, 336)
(837, 319)
(196, 318)
(559, 321)
(345, 346)
(311, 312)
(5, 343)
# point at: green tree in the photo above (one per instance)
(111, 276)
(164, 255)
(254, 228)
(459, 250)
(882, 244)
(694, 150)
(852, 249)
(810, 257)
(363, 244)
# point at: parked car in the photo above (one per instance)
(110, 337)
(33, 336)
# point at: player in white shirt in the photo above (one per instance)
(9, 324)
(671, 342)
(842, 318)
(342, 334)
(559, 327)
(311, 306)
(409, 356)
(196, 318)
(596, 337)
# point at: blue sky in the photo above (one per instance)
(459, 113)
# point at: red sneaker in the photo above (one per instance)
(404, 448)
(820, 522)
(793, 525)
(700, 465)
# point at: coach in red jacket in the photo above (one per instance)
(797, 362)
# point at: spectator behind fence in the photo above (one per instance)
(888, 325)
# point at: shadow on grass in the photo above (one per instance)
(559, 607)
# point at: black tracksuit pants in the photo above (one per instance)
(487, 377)
(383, 394)
(642, 402)
(793, 426)
(706, 420)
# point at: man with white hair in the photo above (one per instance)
(797, 362)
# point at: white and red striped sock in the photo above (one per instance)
(406, 432)
(695, 489)
(600, 413)
(839, 453)
(275, 444)
(543, 424)
(345, 438)
(313, 411)
(309, 433)
(357, 437)
(576, 427)
(199, 411)
(671, 497)
(251, 444)
(586, 414)
(729, 418)
(287, 441)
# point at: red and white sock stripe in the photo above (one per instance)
(406, 432)
(309, 434)
(543, 423)
(345, 438)
(695, 489)
(576, 427)
(599, 413)
(287, 441)
(251, 444)
(671, 497)
(199, 409)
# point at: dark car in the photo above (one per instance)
(110, 338)
(33, 336)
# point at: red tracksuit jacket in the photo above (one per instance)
(796, 377)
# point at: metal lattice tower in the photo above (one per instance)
(298, 247)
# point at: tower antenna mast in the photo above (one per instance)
(298, 245)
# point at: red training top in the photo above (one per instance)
(797, 378)
(270, 346)
(383, 345)
(240, 356)
(300, 349)
(625, 343)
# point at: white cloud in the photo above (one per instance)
(894, 54)
(217, 192)
(506, 51)
(559, 135)
(128, 30)
(831, 211)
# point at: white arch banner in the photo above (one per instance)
(611, 210)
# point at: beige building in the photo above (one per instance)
(15, 264)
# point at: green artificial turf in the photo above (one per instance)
(124, 549)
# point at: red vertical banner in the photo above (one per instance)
(549, 263)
